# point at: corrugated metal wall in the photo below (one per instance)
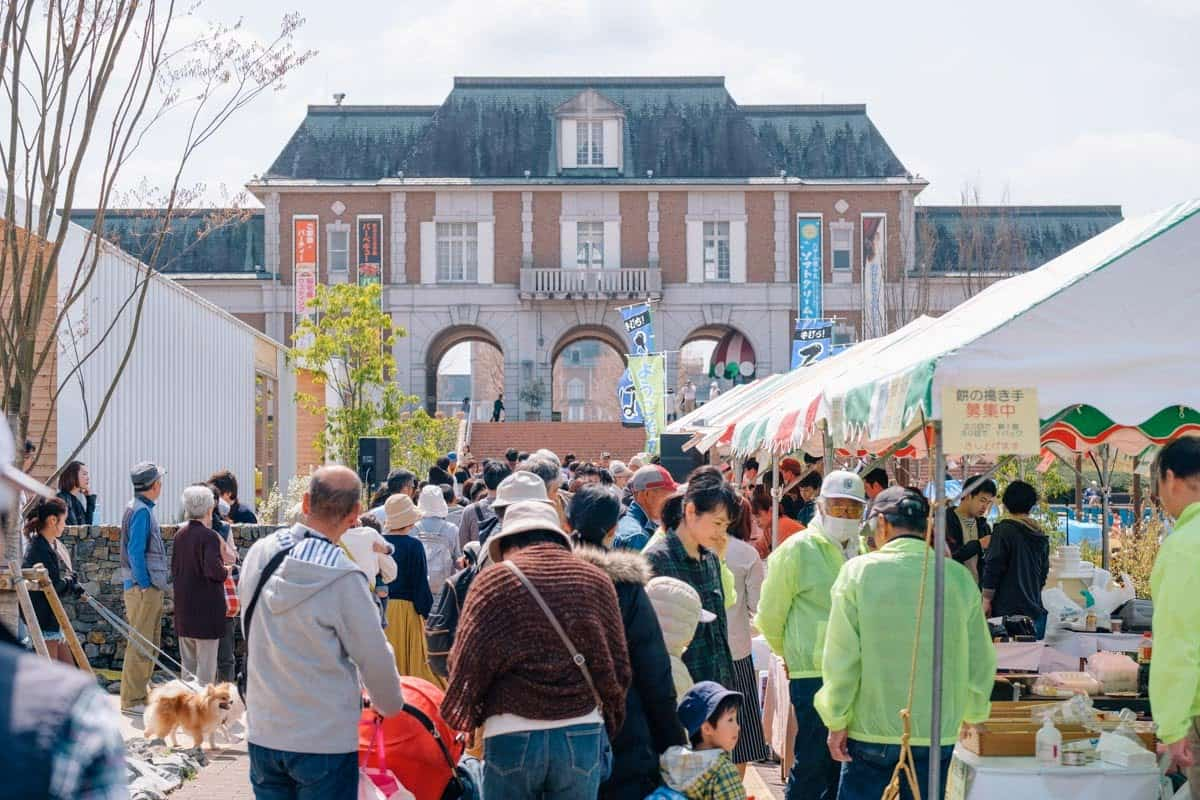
(186, 398)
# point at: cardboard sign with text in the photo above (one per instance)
(990, 420)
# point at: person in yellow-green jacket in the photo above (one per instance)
(868, 646)
(1175, 587)
(793, 610)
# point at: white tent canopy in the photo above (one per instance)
(1114, 312)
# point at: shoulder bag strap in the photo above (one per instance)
(267, 572)
(576, 656)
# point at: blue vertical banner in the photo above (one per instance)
(812, 341)
(809, 268)
(639, 328)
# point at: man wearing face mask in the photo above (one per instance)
(793, 611)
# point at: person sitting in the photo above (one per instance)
(705, 770)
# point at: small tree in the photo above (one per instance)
(347, 344)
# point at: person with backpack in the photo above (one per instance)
(478, 513)
(438, 537)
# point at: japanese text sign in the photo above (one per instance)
(990, 421)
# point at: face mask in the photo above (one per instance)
(223, 507)
(840, 530)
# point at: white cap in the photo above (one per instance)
(845, 485)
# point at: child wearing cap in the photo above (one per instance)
(705, 771)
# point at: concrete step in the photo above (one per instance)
(587, 440)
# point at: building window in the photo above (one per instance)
(716, 251)
(457, 252)
(840, 238)
(339, 249)
(589, 144)
(589, 248)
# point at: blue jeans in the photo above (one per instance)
(557, 764)
(282, 775)
(814, 774)
(868, 774)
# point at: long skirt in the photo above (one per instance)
(751, 745)
(406, 634)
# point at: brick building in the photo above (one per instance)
(520, 213)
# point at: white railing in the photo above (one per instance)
(627, 281)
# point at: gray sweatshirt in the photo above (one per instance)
(315, 633)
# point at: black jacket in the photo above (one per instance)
(651, 717)
(1015, 569)
(959, 551)
(79, 512)
(242, 515)
(39, 551)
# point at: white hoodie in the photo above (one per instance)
(314, 635)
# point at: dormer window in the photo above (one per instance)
(589, 128)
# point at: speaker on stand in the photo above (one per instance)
(374, 461)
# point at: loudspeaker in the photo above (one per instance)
(374, 461)
(678, 462)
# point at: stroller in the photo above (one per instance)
(420, 748)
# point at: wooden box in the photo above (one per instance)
(1012, 731)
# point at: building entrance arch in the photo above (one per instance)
(463, 361)
(585, 368)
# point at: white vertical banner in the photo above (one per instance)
(874, 261)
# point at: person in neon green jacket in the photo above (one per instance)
(793, 609)
(1175, 587)
(868, 646)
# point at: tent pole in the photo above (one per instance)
(776, 493)
(1078, 487)
(1105, 509)
(827, 446)
(939, 599)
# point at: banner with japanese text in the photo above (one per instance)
(649, 378)
(370, 250)
(812, 341)
(639, 328)
(304, 263)
(809, 268)
(990, 420)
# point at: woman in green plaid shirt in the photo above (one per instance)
(695, 522)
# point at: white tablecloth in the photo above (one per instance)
(1062, 651)
(1082, 645)
(1026, 779)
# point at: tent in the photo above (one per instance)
(1103, 332)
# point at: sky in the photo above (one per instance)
(1056, 101)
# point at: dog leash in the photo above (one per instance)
(143, 645)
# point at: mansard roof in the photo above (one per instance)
(687, 128)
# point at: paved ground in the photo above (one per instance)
(227, 775)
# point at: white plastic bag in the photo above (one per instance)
(1109, 600)
(1117, 671)
(1061, 610)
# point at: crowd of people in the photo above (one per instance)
(586, 628)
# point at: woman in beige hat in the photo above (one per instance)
(409, 598)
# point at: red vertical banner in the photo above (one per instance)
(370, 249)
(304, 241)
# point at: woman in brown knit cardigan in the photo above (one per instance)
(511, 673)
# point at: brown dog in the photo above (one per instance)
(176, 705)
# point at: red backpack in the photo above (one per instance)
(422, 748)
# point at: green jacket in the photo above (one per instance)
(1175, 587)
(868, 647)
(793, 607)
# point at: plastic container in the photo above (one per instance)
(1048, 743)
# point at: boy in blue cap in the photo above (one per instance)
(704, 771)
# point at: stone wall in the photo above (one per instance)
(96, 557)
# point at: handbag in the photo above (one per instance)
(576, 656)
(379, 782)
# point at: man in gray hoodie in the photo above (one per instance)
(314, 636)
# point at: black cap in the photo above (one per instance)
(900, 501)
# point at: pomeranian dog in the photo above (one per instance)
(176, 705)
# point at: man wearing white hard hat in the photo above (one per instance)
(793, 611)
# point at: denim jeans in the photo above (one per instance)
(282, 775)
(868, 774)
(557, 764)
(814, 773)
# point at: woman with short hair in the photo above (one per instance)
(198, 572)
(44, 524)
(75, 490)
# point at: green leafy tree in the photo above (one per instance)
(1048, 484)
(347, 344)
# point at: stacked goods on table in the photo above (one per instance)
(1013, 726)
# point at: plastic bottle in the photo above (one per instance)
(1049, 742)
(1146, 648)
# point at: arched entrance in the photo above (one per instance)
(463, 362)
(586, 366)
(696, 363)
